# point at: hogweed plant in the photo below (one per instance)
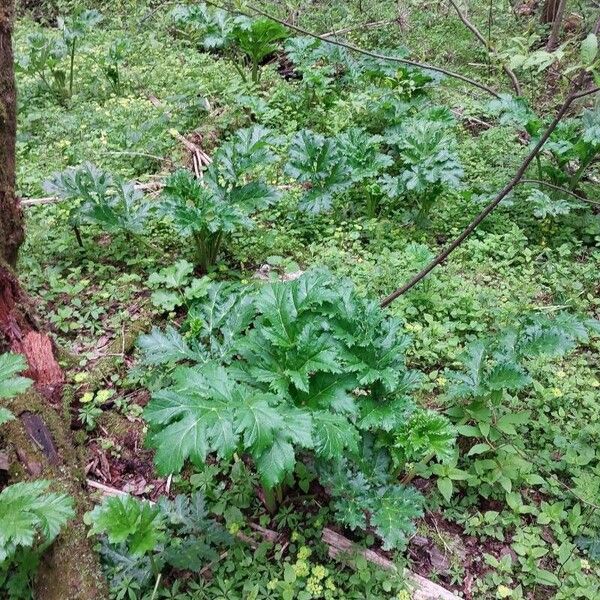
(141, 540)
(11, 383)
(428, 161)
(44, 60)
(96, 197)
(320, 167)
(304, 372)
(73, 29)
(46, 53)
(208, 211)
(248, 42)
(31, 517)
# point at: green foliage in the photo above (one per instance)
(126, 520)
(589, 49)
(91, 409)
(511, 111)
(209, 27)
(30, 519)
(428, 160)
(249, 40)
(11, 384)
(209, 212)
(112, 62)
(362, 155)
(544, 206)
(141, 539)
(312, 345)
(517, 263)
(44, 60)
(96, 197)
(174, 286)
(46, 53)
(492, 371)
(366, 497)
(318, 164)
(425, 433)
(257, 39)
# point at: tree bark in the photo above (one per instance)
(38, 443)
(11, 217)
(549, 11)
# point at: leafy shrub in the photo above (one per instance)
(30, 519)
(318, 164)
(99, 198)
(209, 211)
(299, 369)
(429, 162)
(244, 39)
(141, 540)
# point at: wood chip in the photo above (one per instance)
(40, 435)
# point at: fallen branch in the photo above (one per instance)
(150, 186)
(489, 47)
(471, 119)
(442, 256)
(423, 589)
(200, 160)
(358, 50)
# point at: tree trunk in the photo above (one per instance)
(38, 443)
(11, 217)
(549, 11)
(555, 15)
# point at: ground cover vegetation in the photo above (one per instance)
(200, 386)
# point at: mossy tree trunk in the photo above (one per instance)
(38, 443)
(11, 217)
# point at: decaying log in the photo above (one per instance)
(423, 589)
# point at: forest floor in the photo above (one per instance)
(513, 524)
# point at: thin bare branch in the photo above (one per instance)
(489, 47)
(358, 50)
